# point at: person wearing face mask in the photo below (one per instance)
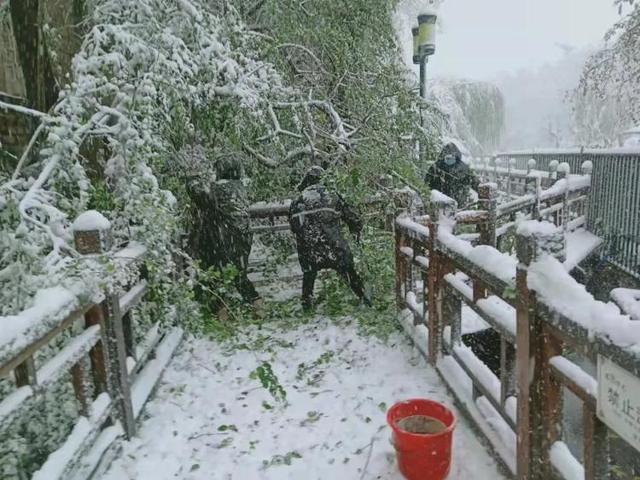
(451, 176)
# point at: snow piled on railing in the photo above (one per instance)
(557, 289)
(581, 378)
(628, 300)
(573, 151)
(439, 197)
(49, 306)
(485, 257)
(571, 184)
(408, 224)
(564, 461)
(90, 220)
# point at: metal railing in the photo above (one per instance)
(614, 209)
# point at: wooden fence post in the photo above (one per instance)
(485, 177)
(420, 249)
(439, 209)
(487, 200)
(496, 177)
(400, 267)
(531, 165)
(507, 371)
(25, 373)
(539, 394)
(511, 163)
(534, 187)
(452, 310)
(553, 169)
(92, 235)
(562, 217)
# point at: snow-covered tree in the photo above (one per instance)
(474, 111)
(349, 58)
(607, 100)
(162, 89)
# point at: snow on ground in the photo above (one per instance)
(211, 420)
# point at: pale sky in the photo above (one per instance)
(481, 38)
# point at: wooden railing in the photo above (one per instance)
(269, 217)
(380, 209)
(111, 393)
(544, 327)
(614, 212)
(561, 198)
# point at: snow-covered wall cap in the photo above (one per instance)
(532, 228)
(89, 221)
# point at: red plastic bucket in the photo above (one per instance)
(422, 456)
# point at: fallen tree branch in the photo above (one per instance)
(265, 160)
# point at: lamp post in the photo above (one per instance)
(424, 45)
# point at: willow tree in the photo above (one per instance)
(607, 100)
(475, 112)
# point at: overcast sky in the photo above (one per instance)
(481, 38)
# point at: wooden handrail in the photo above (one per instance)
(106, 338)
(534, 327)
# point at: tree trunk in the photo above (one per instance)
(26, 16)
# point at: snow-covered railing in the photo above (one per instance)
(380, 209)
(270, 216)
(512, 181)
(614, 209)
(119, 380)
(563, 202)
(542, 316)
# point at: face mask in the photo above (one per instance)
(449, 160)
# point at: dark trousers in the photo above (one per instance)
(348, 274)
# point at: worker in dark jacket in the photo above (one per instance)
(315, 219)
(221, 235)
(451, 176)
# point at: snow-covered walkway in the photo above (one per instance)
(212, 419)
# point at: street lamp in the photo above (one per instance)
(424, 45)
